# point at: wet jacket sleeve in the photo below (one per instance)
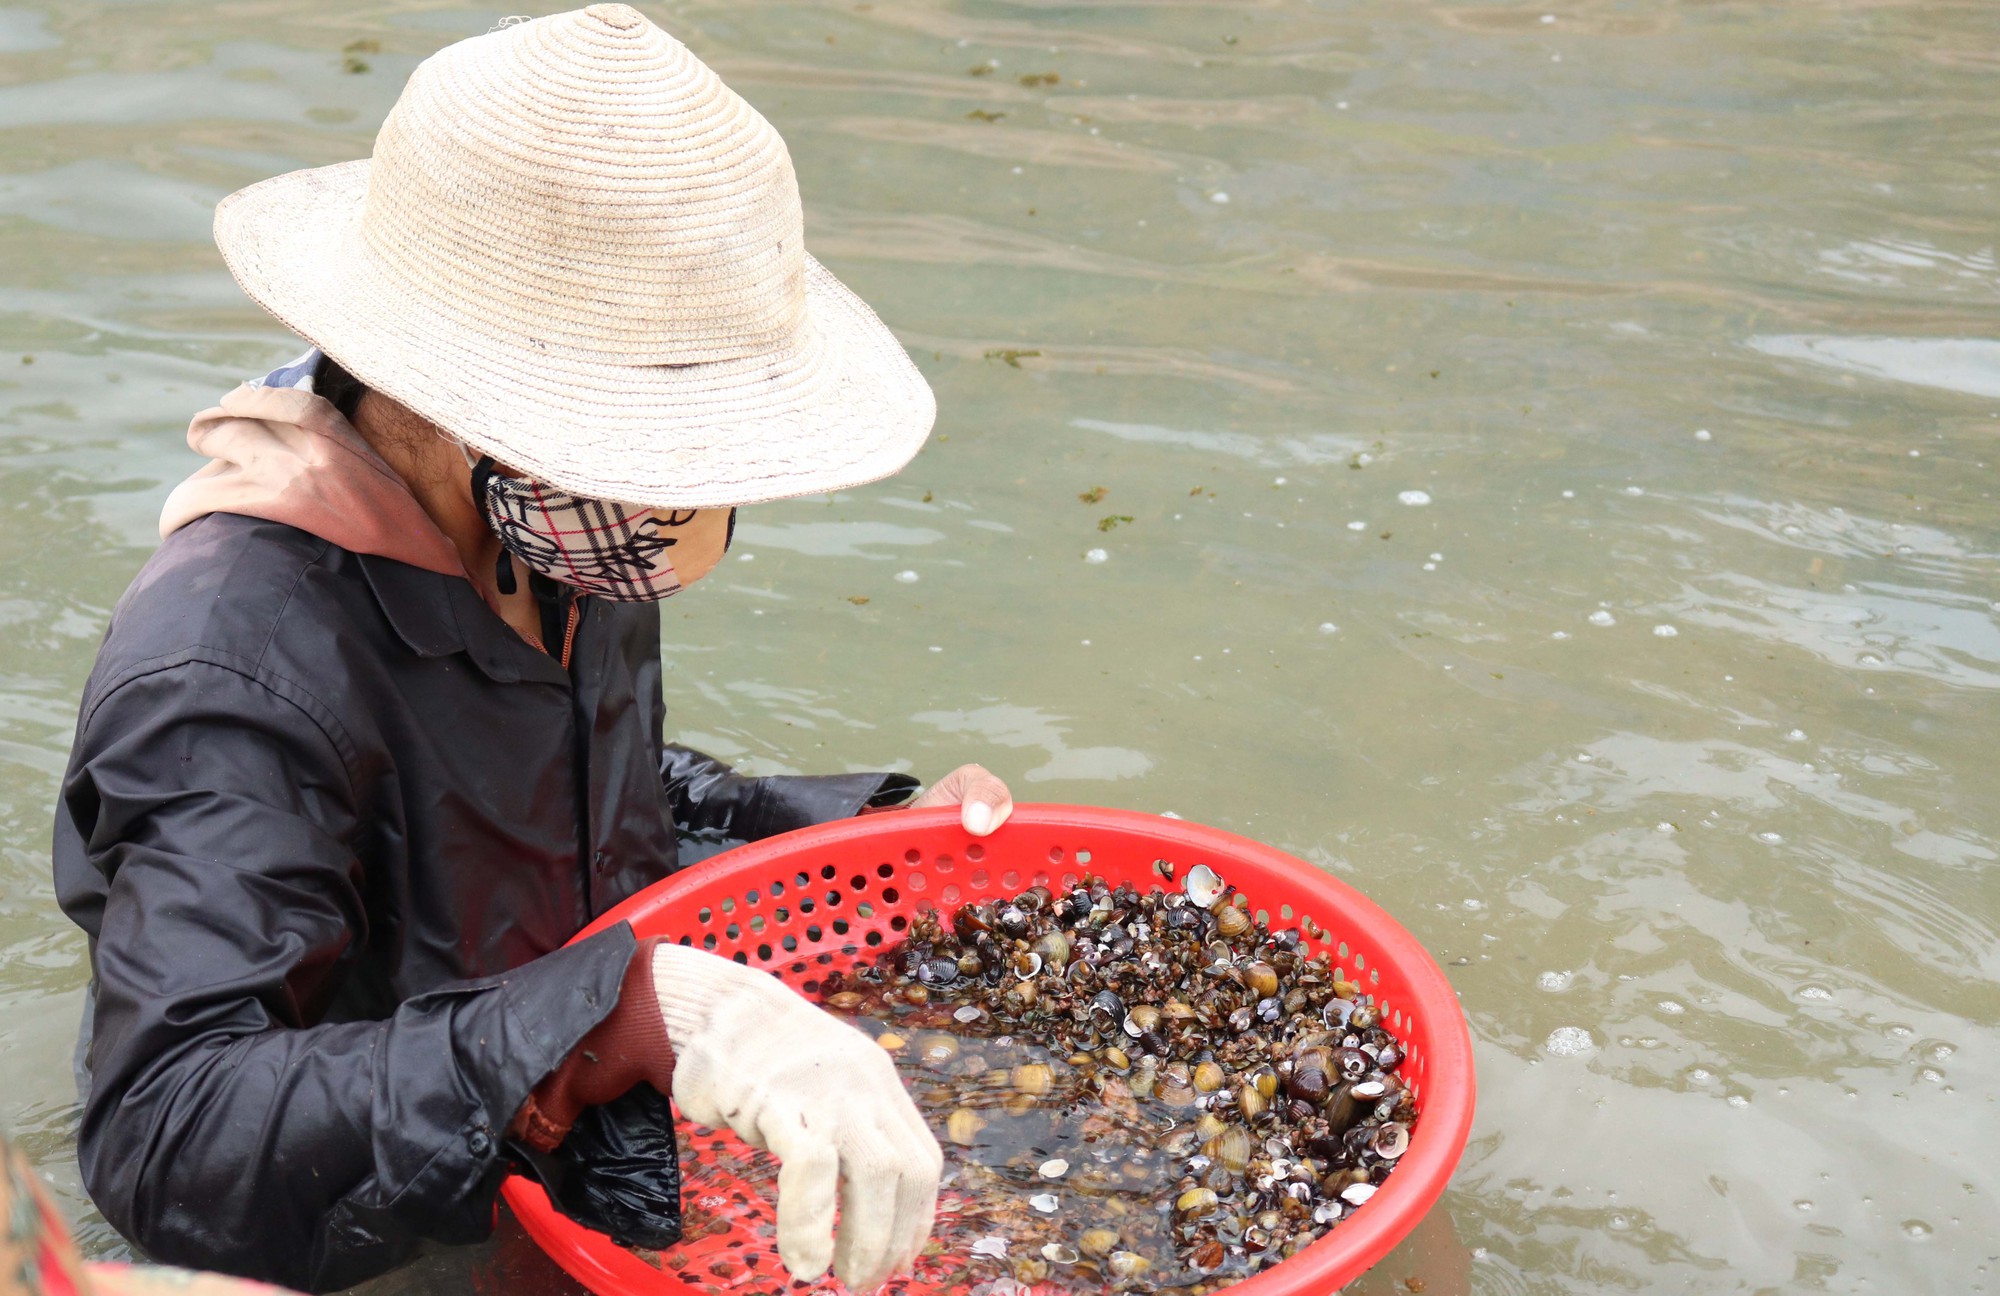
(227, 1126)
(715, 808)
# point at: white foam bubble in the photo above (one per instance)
(1601, 618)
(1556, 982)
(1096, 556)
(1414, 498)
(907, 577)
(1569, 1041)
(1665, 631)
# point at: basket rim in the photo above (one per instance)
(1450, 1093)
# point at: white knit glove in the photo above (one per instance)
(820, 1096)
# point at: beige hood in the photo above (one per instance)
(285, 455)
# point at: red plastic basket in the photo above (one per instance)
(822, 898)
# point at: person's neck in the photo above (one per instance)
(434, 469)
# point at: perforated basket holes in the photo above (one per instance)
(944, 881)
(809, 920)
(798, 924)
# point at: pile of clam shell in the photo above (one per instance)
(1149, 1092)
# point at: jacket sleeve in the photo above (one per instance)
(716, 808)
(227, 1126)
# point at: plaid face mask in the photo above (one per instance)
(618, 551)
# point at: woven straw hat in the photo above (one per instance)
(578, 251)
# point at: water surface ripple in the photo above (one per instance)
(1548, 469)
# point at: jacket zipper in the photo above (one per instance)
(569, 633)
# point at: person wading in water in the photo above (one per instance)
(379, 727)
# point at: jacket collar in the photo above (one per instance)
(438, 616)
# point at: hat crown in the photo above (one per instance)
(583, 184)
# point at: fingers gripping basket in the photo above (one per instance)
(828, 897)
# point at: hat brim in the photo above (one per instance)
(841, 406)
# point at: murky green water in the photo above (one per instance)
(1672, 716)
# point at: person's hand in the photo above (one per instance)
(756, 1058)
(983, 800)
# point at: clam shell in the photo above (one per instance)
(1033, 1078)
(938, 1049)
(1203, 886)
(1390, 1142)
(1231, 921)
(963, 1126)
(1098, 1242)
(1127, 1264)
(1195, 1203)
(1230, 1149)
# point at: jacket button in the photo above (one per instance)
(479, 1143)
(602, 859)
